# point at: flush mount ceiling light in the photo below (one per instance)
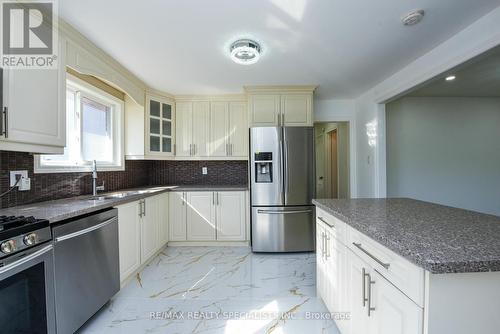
(245, 51)
(450, 78)
(413, 18)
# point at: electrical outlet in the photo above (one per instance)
(204, 170)
(13, 178)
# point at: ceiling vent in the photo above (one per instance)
(245, 52)
(413, 18)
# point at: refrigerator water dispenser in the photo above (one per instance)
(264, 167)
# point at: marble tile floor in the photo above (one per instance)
(222, 290)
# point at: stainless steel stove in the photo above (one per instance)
(18, 233)
(26, 275)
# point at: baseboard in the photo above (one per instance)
(208, 243)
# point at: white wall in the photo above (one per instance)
(370, 115)
(445, 150)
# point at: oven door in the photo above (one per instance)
(27, 292)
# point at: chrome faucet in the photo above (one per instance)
(95, 188)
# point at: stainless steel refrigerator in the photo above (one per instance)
(282, 188)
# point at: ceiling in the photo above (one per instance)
(346, 47)
(479, 77)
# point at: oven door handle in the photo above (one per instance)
(26, 259)
(87, 230)
(277, 212)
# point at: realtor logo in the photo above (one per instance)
(29, 37)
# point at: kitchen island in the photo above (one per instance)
(407, 266)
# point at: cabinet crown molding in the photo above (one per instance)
(212, 98)
(280, 89)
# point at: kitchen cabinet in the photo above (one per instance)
(280, 106)
(192, 128)
(129, 236)
(207, 216)
(201, 216)
(33, 117)
(350, 281)
(160, 126)
(229, 130)
(177, 216)
(230, 215)
(142, 232)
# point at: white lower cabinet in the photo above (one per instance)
(363, 300)
(142, 232)
(200, 216)
(207, 216)
(177, 216)
(129, 236)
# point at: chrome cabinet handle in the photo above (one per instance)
(87, 230)
(279, 119)
(327, 242)
(327, 223)
(144, 206)
(217, 198)
(363, 286)
(370, 283)
(276, 212)
(140, 208)
(4, 125)
(213, 198)
(231, 149)
(385, 265)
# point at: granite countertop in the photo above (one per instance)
(437, 238)
(62, 209)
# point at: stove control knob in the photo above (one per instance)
(30, 239)
(8, 246)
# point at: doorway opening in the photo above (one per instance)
(332, 160)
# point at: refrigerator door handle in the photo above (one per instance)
(282, 172)
(287, 169)
(277, 212)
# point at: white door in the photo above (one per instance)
(218, 127)
(177, 216)
(150, 228)
(163, 219)
(357, 270)
(230, 215)
(238, 129)
(264, 109)
(184, 129)
(129, 237)
(394, 313)
(36, 105)
(201, 128)
(200, 216)
(297, 109)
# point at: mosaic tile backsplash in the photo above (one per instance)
(138, 173)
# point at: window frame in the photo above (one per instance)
(83, 89)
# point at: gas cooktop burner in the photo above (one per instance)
(9, 222)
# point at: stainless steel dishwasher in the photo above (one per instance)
(86, 262)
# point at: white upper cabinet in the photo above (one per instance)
(219, 121)
(33, 115)
(238, 129)
(160, 129)
(264, 110)
(201, 128)
(184, 129)
(280, 106)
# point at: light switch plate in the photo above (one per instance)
(23, 173)
(204, 170)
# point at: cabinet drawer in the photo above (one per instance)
(336, 226)
(403, 274)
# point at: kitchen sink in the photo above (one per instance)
(124, 194)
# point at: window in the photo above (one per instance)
(94, 131)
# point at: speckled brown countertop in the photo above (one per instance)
(59, 210)
(438, 238)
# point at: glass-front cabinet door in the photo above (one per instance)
(160, 114)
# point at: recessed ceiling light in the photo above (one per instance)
(413, 18)
(450, 78)
(245, 51)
